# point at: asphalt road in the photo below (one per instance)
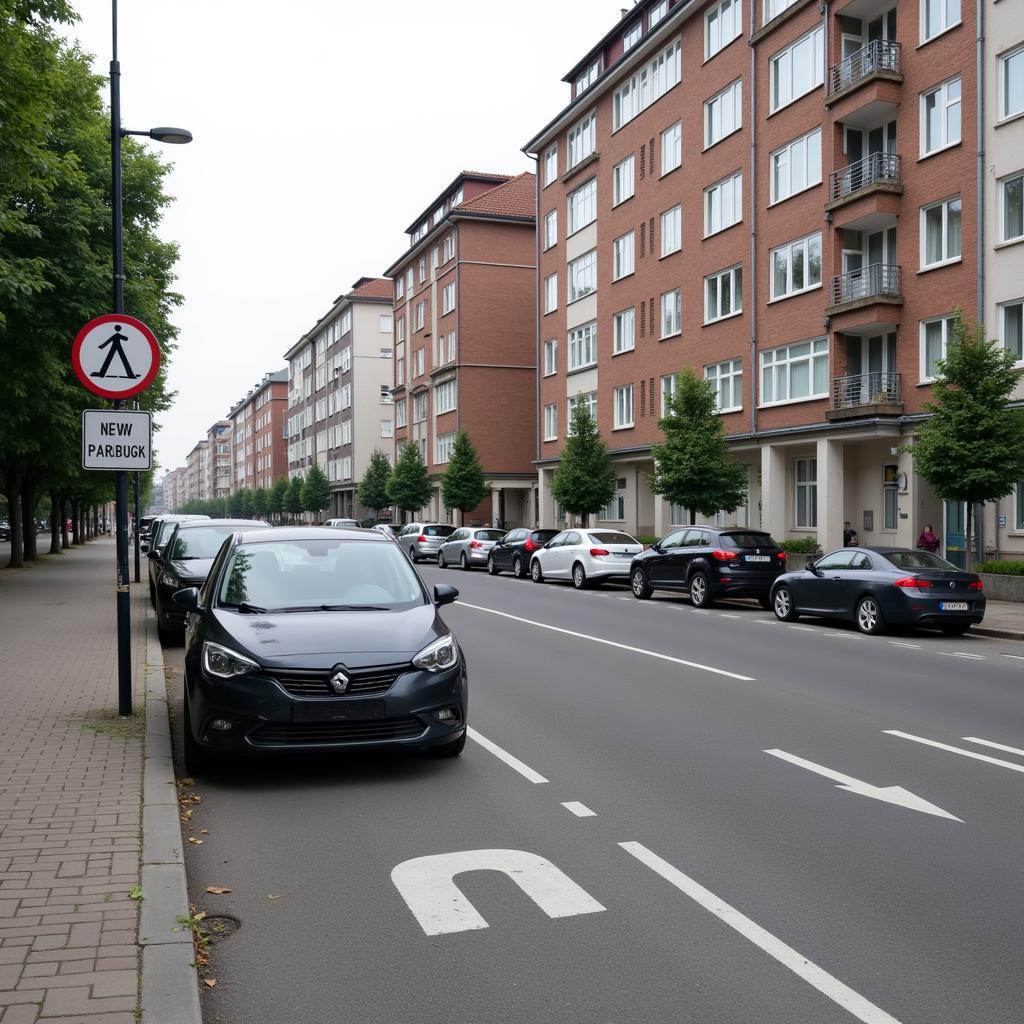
(689, 874)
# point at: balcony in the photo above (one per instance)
(880, 59)
(878, 172)
(865, 394)
(879, 282)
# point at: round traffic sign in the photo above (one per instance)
(115, 356)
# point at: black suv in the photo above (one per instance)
(513, 551)
(710, 563)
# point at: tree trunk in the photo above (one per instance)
(54, 523)
(76, 522)
(28, 520)
(693, 517)
(65, 540)
(12, 485)
(95, 521)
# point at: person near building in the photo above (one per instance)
(928, 541)
(850, 538)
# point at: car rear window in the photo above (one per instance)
(437, 531)
(609, 537)
(201, 543)
(747, 540)
(489, 534)
(918, 560)
(543, 536)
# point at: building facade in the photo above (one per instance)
(259, 445)
(784, 198)
(197, 472)
(465, 349)
(219, 459)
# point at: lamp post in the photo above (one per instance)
(171, 135)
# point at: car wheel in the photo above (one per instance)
(412, 557)
(700, 591)
(492, 569)
(196, 757)
(464, 563)
(639, 585)
(579, 576)
(535, 572)
(957, 629)
(452, 749)
(517, 568)
(782, 604)
(441, 563)
(869, 616)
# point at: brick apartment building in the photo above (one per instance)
(218, 468)
(465, 348)
(258, 443)
(784, 198)
(339, 392)
(197, 472)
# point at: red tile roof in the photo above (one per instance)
(372, 288)
(514, 198)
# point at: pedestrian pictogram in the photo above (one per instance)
(116, 356)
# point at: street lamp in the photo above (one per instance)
(177, 136)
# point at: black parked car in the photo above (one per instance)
(159, 534)
(187, 557)
(876, 587)
(710, 563)
(512, 552)
(312, 638)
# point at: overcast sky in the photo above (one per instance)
(322, 128)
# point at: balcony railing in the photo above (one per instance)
(878, 280)
(876, 388)
(875, 169)
(878, 55)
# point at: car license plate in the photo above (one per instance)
(953, 606)
(623, 554)
(337, 710)
(758, 558)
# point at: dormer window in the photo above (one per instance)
(589, 77)
(632, 35)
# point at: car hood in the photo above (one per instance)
(322, 639)
(191, 569)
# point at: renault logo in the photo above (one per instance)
(339, 681)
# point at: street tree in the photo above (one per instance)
(584, 481)
(373, 489)
(316, 491)
(294, 502)
(408, 486)
(235, 505)
(692, 467)
(971, 448)
(259, 502)
(278, 497)
(462, 485)
(245, 502)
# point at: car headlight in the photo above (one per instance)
(167, 580)
(224, 662)
(438, 656)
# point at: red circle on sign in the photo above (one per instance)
(89, 383)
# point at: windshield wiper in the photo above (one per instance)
(336, 608)
(244, 606)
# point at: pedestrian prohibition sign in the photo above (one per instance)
(115, 356)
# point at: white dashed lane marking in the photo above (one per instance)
(580, 810)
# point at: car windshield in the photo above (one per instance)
(203, 542)
(437, 531)
(315, 574)
(611, 537)
(918, 560)
(164, 531)
(488, 534)
(747, 540)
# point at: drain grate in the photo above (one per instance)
(218, 926)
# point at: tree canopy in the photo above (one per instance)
(584, 481)
(373, 488)
(316, 490)
(462, 485)
(409, 486)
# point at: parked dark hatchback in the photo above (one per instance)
(313, 638)
(710, 563)
(159, 533)
(512, 552)
(876, 587)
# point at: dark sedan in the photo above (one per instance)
(187, 556)
(513, 551)
(311, 638)
(159, 534)
(879, 587)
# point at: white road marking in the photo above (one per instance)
(845, 636)
(503, 755)
(955, 750)
(890, 794)
(728, 615)
(831, 987)
(625, 599)
(993, 745)
(427, 885)
(580, 810)
(765, 622)
(899, 643)
(805, 629)
(960, 654)
(1016, 657)
(696, 611)
(612, 643)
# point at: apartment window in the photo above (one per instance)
(419, 407)
(671, 230)
(1011, 83)
(646, 85)
(798, 69)
(385, 324)
(444, 397)
(622, 256)
(550, 164)
(773, 8)
(795, 372)
(346, 397)
(444, 445)
(940, 116)
(582, 139)
(796, 166)
(935, 337)
(399, 288)
(671, 148)
(550, 229)
(551, 293)
(583, 346)
(723, 204)
(447, 298)
(796, 266)
(399, 371)
(583, 276)
(668, 390)
(448, 248)
(657, 12)
(400, 329)
(401, 413)
(589, 77)
(550, 357)
(421, 313)
(420, 362)
(615, 510)
(722, 24)
(805, 476)
(551, 422)
(387, 428)
(1011, 328)
(435, 257)
(1012, 196)
(937, 16)
(582, 206)
(385, 395)
(446, 348)
(622, 180)
(589, 402)
(623, 331)
(723, 114)
(423, 269)
(671, 313)
(940, 232)
(623, 407)
(632, 35)
(723, 294)
(409, 281)
(727, 379)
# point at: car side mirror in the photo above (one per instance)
(656, 546)
(187, 598)
(813, 568)
(443, 594)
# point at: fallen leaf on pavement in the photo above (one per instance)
(209, 982)
(273, 897)
(199, 916)
(204, 831)
(196, 842)
(188, 782)
(217, 890)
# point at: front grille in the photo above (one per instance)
(371, 730)
(363, 681)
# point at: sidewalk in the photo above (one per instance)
(1002, 619)
(71, 785)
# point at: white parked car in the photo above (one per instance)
(585, 557)
(343, 524)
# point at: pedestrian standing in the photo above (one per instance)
(928, 541)
(850, 538)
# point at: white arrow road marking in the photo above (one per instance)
(955, 750)
(503, 755)
(580, 810)
(994, 745)
(427, 885)
(833, 988)
(890, 794)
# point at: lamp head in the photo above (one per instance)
(174, 136)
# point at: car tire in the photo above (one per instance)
(492, 569)
(782, 604)
(196, 757)
(441, 563)
(869, 616)
(957, 629)
(536, 573)
(452, 749)
(700, 590)
(579, 576)
(464, 562)
(639, 585)
(517, 568)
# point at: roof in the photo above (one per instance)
(372, 288)
(484, 176)
(287, 533)
(514, 198)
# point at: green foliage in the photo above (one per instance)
(245, 502)
(692, 466)
(584, 481)
(1001, 568)
(408, 486)
(373, 489)
(278, 497)
(260, 501)
(235, 505)
(803, 546)
(462, 485)
(647, 541)
(316, 491)
(294, 501)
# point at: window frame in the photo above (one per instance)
(620, 318)
(736, 84)
(805, 241)
(581, 341)
(1003, 183)
(736, 270)
(810, 485)
(946, 26)
(550, 293)
(816, 36)
(673, 146)
(1018, 53)
(1001, 309)
(550, 366)
(618, 177)
(820, 349)
(735, 180)
(581, 202)
(732, 374)
(677, 314)
(550, 429)
(448, 299)
(945, 260)
(735, 6)
(623, 255)
(447, 390)
(580, 135)
(948, 320)
(550, 229)
(575, 269)
(676, 232)
(941, 89)
(623, 400)
(787, 149)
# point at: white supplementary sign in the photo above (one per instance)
(116, 439)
